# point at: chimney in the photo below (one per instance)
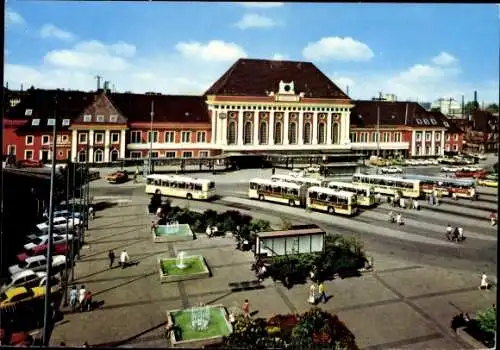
(106, 87)
(380, 95)
(463, 106)
(475, 97)
(21, 87)
(406, 115)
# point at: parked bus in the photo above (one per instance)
(389, 185)
(365, 195)
(276, 191)
(299, 180)
(331, 201)
(463, 188)
(180, 186)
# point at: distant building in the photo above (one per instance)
(427, 105)
(448, 106)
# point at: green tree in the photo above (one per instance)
(487, 320)
(492, 108)
(470, 107)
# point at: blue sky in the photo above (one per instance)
(418, 52)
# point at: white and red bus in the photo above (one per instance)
(463, 188)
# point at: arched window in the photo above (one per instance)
(278, 133)
(321, 133)
(98, 156)
(307, 133)
(247, 133)
(82, 156)
(231, 133)
(113, 155)
(335, 133)
(263, 133)
(292, 133)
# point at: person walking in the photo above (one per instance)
(449, 231)
(73, 297)
(312, 294)
(399, 219)
(124, 258)
(81, 297)
(91, 213)
(88, 300)
(460, 234)
(402, 203)
(484, 282)
(111, 257)
(416, 204)
(322, 293)
(246, 308)
(391, 217)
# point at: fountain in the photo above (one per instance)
(200, 317)
(172, 231)
(179, 262)
(172, 227)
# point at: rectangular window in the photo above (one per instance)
(153, 136)
(170, 154)
(29, 140)
(447, 137)
(135, 154)
(418, 136)
(201, 136)
(203, 154)
(113, 118)
(115, 137)
(428, 136)
(438, 136)
(87, 118)
(99, 138)
(28, 155)
(11, 150)
(187, 154)
(374, 137)
(169, 136)
(352, 136)
(100, 118)
(363, 136)
(82, 138)
(45, 139)
(35, 122)
(28, 112)
(448, 147)
(455, 137)
(455, 148)
(136, 136)
(186, 137)
(386, 137)
(154, 154)
(68, 154)
(397, 137)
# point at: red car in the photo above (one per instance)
(472, 174)
(59, 249)
(29, 164)
(16, 338)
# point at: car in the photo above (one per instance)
(30, 279)
(448, 169)
(36, 232)
(117, 177)
(60, 223)
(17, 339)
(43, 240)
(433, 161)
(62, 213)
(38, 263)
(14, 296)
(472, 168)
(58, 249)
(391, 170)
(488, 182)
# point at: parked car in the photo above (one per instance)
(29, 279)
(23, 339)
(117, 177)
(14, 296)
(391, 170)
(29, 164)
(452, 169)
(36, 232)
(487, 182)
(62, 213)
(37, 263)
(60, 223)
(58, 249)
(43, 240)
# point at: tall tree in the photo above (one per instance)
(492, 108)
(470, 107)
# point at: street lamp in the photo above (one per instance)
(150, 161)
(378, 135)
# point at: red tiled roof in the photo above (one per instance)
(254, 77)
(452, 126)
(364, 114)
(167, 108)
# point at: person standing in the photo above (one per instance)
(81, 297)
(91, 212)
(73, 296)
(88, 300)
(124, 258)
(416, 204)
(460, 234)
(399, 219)
(322, 292)
(312, 294)
(111, 257)
(484, 282)
(246, 308)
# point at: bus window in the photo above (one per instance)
(164, 183)
(342, 200)
(211, 184)
(313, 195)
(197, 187)
(190, 186)
(253, 186)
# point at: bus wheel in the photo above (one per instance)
(331, 210)
(189, 196)
(261, 197)
(291, 203)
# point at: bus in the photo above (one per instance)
(365, 195)
(331, 201)
(463, 188)
(276, 191)
(389, 185)
(180, 186)
(299, 180)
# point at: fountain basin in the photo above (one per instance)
(195, 267)
(165, 233)
(184, 336)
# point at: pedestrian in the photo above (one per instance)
(81, 297)
(73, 296)
(402, 203)
(273, 171)
(111, 257)
(312, 294)
(431, 199)
(399, 219)
(322, 293)
(493, 218)
(454, 195)
(391, 217)
(88, 300)
(436, 201)
(449, 231)
(416, 204)
(484, 282)
(136, 175)
(246, 308)
(158, 212)
(460, 234)
(378, 198)
(208, 231)
(124, 258)
(232, 319)
(91, 212)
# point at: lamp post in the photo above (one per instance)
(72, 251)
(150, 161)
(378, 135)
(67, 236)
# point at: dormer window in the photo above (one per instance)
(65, 122)
(28, 112)
(35, 122)
(113, 118)
(426, 121)
(100, 119)
(419, 121)
(87, 118)
(433, 121)
(445, 123)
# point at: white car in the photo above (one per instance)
(62, 213)
(37, 263)
(44, 240)
(472, 168)
(452, 169)
(433, 161)
(60, 223)
(391, 170)
(26, 278)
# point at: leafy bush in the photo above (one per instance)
(487, 320)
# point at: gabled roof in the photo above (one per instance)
(100, 110)
(254, 77)
(364, 114)
(167, 108)
(451, 125)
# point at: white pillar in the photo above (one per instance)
(286, 121)
(433, 143)
(346, 126)
(91, 146)
(442, 143)
(271, 129)
(329, 129)
(256, 128)
(214, 126)
(413, 143)
(240, 129)
(300, 136)
(315, 129)
(106, 146)
(74, 143)
(123, 144)
(224, 125)
(422, 152)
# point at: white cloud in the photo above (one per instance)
(49, 30)
(343, 82)
(12, 17)
(279, 57)
(252, 20)
(444, 59)
(215, 50)
(262, 4)
(338, 49)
